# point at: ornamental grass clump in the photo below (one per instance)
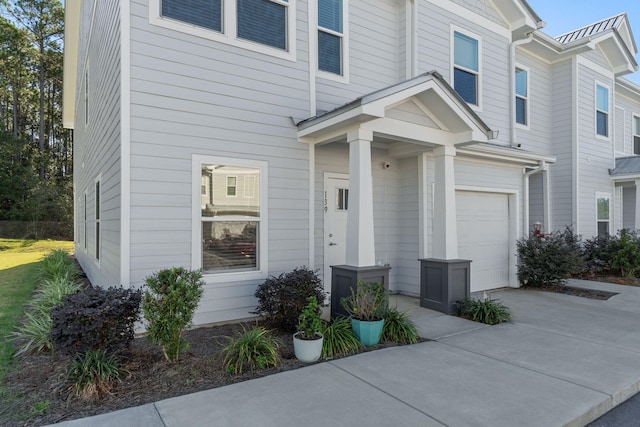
(251, 349)
(398, 328)
(168, 305)
(339, 339)
(93, 374)
(485, 310)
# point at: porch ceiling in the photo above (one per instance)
(424, 111)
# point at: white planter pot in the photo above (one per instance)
(307, 350)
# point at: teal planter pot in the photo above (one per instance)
(368, 333)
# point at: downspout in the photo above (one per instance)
(544, 167)
(512, 82)
(313, 66)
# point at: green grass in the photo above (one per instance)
(19, 272)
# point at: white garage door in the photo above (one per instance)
(483, 237)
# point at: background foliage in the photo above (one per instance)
(35, 149)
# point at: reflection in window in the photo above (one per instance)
(466, 67)
(602, 201)
(230, 217)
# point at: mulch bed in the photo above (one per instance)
(574, 291)
(39, 377)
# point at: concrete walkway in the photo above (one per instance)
(564, 360)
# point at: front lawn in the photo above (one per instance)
(19, 271)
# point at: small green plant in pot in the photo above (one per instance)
(366, 305)
(307, 342)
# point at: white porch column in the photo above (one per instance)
(637, 224)
(445, 233)
(360, 251)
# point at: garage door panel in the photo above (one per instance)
(483, 237)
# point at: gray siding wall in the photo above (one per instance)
(408, 274)
(536, 202)
(538, 138)
(434, 53)
(374, 53)
(624, 124)
(562, 119)
(97, 144)
(191, 95)
(595, 153)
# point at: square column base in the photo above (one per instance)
(443, 283)
(345, 277)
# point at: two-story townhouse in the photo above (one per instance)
(248, 137)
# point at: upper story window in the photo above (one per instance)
(331, 36)
(522, 96)
(466, 67)
(602, 111)
(266, 26)
(636, 135)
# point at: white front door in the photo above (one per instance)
(336, 204)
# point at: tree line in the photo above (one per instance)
(36, 164)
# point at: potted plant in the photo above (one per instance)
(307, 342)
(366, 306)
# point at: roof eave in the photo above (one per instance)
(70, 73)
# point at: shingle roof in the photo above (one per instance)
(626, 166)
(593, 29)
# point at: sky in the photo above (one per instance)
(563, 16)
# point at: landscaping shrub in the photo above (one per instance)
(92, 374)
(169, 305)
(339, 339)
(309, 322)
(547, 260)
(484, 310)
(96, 319)
(625, 253)
(281, 299)
(398, 328)
(251, 349)
(596, 253)
(367, 302)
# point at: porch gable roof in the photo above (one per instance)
(626, 168)
(459, 123)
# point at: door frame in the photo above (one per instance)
(326, 268)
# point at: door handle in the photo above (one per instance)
(332, 244)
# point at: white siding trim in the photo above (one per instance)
(229, 25)
(125, 143)
(576, 147)
(196, 250)
(312, 13)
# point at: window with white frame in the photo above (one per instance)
(251, 24)
(232, 228)
(84, 222)
(522, 96)
(331, 36)
(602, 111)
(603, 213)
(466, 67)
(97, 189)
(636, 135)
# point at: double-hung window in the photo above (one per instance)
(602, 213)
(522, 96)
(466, 67)
(602, 111)
(331, 36)
(636, 135)
(251, 24)
(231, 215)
